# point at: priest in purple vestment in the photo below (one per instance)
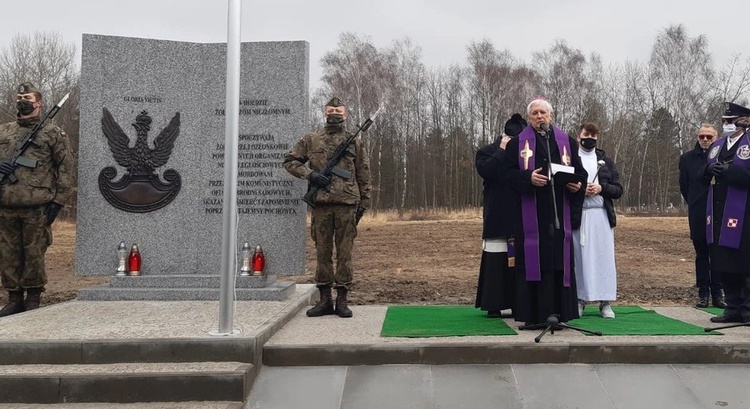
(544, 168)
(727, 175)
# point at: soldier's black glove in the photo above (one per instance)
(6, 168)
(319, 179)
(51, 212)
(717, 168)
(359, 214)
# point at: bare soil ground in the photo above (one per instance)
(437, 261)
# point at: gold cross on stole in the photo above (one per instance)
(565, 156)
(526, 154)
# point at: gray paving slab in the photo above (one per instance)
(561, 386)
(504, 386)
(717, 385)
(298, 387)
(121, 320)
(646, 386)
(474, 387)
(332, 341)
(387, 387)
(365, 327)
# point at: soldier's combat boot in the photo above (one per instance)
(33, 298)
(324, 306)
(342, 309)
(15, 304)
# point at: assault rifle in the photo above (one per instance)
(17, 159)
(332, 164)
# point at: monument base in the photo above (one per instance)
(191, 287)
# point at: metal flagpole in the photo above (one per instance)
(231, 140)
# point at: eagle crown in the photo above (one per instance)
(142, 124)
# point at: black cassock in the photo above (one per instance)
(496, 285)
(536, 300)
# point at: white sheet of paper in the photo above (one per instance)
(562, 168)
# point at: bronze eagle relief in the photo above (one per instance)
(140, 189)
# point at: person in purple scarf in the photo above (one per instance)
(545, 281)
(727, 175)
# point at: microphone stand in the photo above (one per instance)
(553, 321)
(552, 183)
(741, 324)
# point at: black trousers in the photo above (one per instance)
(708, 282)
(737, 290)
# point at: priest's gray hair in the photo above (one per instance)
(539, 101)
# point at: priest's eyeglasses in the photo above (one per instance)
(706, 137)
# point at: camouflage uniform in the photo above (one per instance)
(24, 233)
(334, 214)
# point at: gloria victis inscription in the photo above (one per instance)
(260, 165)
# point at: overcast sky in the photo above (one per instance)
(618, 31)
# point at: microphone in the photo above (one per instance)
(742, 124)
(544, 127)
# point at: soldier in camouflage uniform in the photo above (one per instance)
(339, 205)
(29, 206)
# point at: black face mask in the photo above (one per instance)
(334, 119)
(25, 107)
(588, 143)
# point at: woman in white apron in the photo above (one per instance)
(593, 234)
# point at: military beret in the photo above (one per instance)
(735, 111)
(27, 88)
(514, 125)
(335, 102)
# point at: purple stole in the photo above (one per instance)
(733, 220)
(527, 161)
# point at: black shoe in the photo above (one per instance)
(494, 314)
(718, 301)
(12, 308)
(324, 306)
(703, 303)
(721, 319)
(342, 304)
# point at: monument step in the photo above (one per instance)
(480, 353)
(138, 405)
(77, 352)
(126, 382)
(188, 281)
(277, 291)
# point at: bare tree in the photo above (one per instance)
(423, 147)
(680, 73)
(41, 58)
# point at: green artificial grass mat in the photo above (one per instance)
(632, 320)
(713, 310)
(421, 321)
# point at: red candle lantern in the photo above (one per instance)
(134, 261)
(259, 261)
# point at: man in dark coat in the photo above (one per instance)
(695, 193)
(545, 279)
(496, 286)
(727, 175)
